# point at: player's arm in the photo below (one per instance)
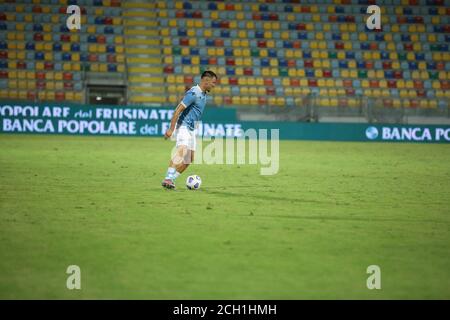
(179, 109)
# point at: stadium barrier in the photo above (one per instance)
(145, 121)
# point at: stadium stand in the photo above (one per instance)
(42, 60)
(265, 52)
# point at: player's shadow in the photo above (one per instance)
(263, 196)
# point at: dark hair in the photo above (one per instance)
(209, 74)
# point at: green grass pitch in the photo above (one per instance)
(309, 232)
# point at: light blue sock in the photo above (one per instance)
(171, 173)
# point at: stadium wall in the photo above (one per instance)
(144, 121)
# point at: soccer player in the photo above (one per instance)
(187, 113)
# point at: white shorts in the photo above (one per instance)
(186, 137)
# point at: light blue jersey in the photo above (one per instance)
(194, 100)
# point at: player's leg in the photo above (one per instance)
(176, 166)
(183, 157)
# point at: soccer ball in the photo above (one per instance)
(193, 182)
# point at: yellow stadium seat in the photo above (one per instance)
(41, 95)
(14, 94)
(167, 50)
(187, 69)
(66, 47)
(50, 85)
(226, 90)
(423, 103)
(50, 95)
(303, 82)
(345, 73)
(412, 93)
(433, 104)
(103, 67)
(30, 75)
(190, 23)
(253, 91)
(170, 79)
(76, 66)
(435, 20)
(395, 65)
(365, 83)
(379, 74)
(179, 79)
(168, 59)
(371, 74)
(393, 55)
(12, 84)
(121, 68)
(440, 94)
(403, 93)
(245, 100)
(422, 65)
(218, 100)
(409, 84)
(22, 84)
(242, 34)
(301, 73)
(443, 75)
